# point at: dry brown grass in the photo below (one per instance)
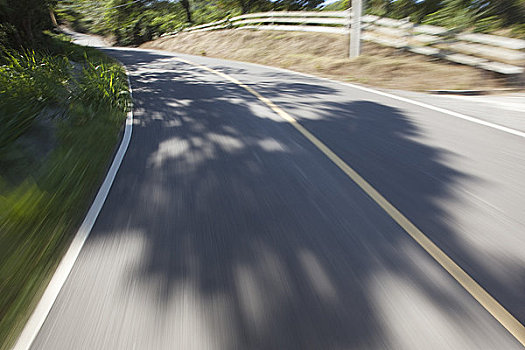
(325, 55)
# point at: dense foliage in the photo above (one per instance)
(61, 109)
(477, 15)
(132, 22)
(22, 21)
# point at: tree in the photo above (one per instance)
(457, 14)
(296, 5)
(378, 7)
(26, 19)
(247, 6)
(508, 11)
(424, 8)
(186, 5)
(402, 8)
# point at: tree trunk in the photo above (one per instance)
(28, 30)
(186, 5)
(244, 6)
(53, 18)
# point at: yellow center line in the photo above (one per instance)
(468, 283)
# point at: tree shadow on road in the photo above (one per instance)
(284, 251)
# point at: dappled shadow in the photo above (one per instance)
(417, 183)
(285, 251)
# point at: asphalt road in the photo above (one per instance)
(227, 229)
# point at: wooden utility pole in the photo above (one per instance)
(355, 29)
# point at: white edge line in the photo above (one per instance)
(404, 99)
(39, 315)
(371, 90)
(443, 110)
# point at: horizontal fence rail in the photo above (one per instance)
(489, 52)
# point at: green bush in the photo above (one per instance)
(455, 14)
(30, 74)
(29, 81)
(103, 86)
(79, 97)
(488, 24)
(518, 31)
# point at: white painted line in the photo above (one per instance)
(443, 110)
(491, 101)
(407, 100)
(45, 304)
(502, 315)
(377, 92)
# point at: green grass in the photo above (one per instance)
(61, 112)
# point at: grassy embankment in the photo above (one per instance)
(61, 110)
(325, 55)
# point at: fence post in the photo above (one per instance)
(355, 35)
(409, 31)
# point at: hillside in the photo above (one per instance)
(324, 55)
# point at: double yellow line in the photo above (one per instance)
(468, 283)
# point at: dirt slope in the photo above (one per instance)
(324, 55)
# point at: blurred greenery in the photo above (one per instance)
(22, 21)
(61, 109)
(134, 22)
(485, 16)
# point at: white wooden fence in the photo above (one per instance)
(489, 52)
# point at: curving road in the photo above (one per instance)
(226, 228)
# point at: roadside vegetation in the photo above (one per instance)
(62, 107)
(504, 17)
(132, 22)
